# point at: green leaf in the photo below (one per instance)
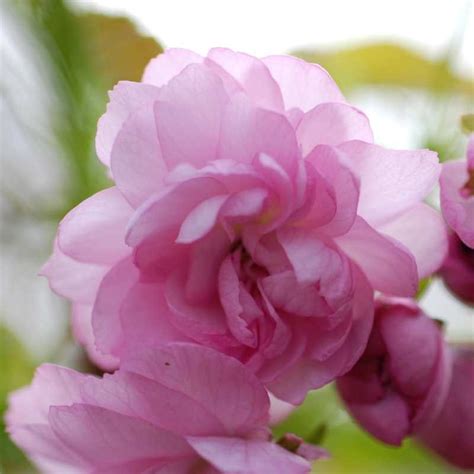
(387, 64)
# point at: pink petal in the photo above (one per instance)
(136, 396)
(387, 420)
(451, 434)
(230, 296)
(200, 221)
(247, 131)
(246, 203)
(253, 76)
(136, 162)
(74, 280)
(169, 64)
(422, 230)
(206, 257)
(166, 211)
(332, 124)
(188, 117)
(218, 382)
(457, 209)
(344, 188)
(280, 182)
(412, 342)
(145, 319)
(94, 231)
(83, 428)
(106, 311)
(52, 385)
(248, 456)
(202, 322)
(124, 98)
(293, 384)
(310, 258)
(303, 85)
(285, 293)
(47, 451)
(279, 410)
(389, 267)
(391, 181)
(84, 334)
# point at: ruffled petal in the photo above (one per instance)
(124, 99)
(94, 231)
(248, 456)
(422, 230)
(332, 124)
(391, 181)
(388, 265)
(188, 117)
(303, 85)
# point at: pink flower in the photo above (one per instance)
(401, 381)
(252, 213)
(451, 435)
(458, 269)
(457, 195)
(175, 409)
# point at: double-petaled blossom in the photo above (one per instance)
(451, 435)
(251, 213)
(400, 383)
(176, 409)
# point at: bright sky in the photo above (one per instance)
(263, 27)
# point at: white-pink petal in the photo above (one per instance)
(331, 124)
(423, 231)
(303, 85)
(391, 181)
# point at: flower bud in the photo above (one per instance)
(401, 380)
(458, 269)
(451, 434)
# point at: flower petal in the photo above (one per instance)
(165, 66)
(332, 124)
(248, 131)
(303, 85)
(188, 116)
(389, 267)
(457, 209)
(94, 231)
(391, 181)
(218, 382)
(136, 162)
(82, 428)
(422, 230)
(248, 456)
(124, 98)
(252, 75)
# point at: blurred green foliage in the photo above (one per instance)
(87, 54)
(388, 64)
(16, 370)
(467, 123)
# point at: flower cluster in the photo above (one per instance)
(251, 223)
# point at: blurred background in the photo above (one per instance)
(409, 65)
